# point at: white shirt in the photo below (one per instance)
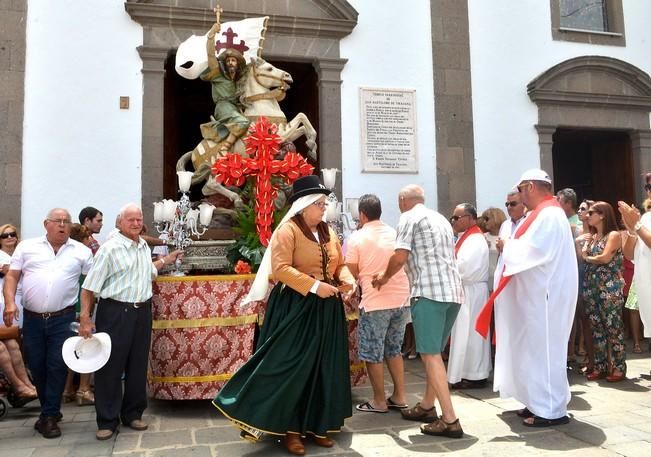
(5, 259)
(50, 281)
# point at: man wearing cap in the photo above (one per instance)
(534, 307)
(121, 276)
(49, 268)
(425, 244)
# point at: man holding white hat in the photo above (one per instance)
(534, 301)
(121, 276)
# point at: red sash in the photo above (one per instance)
(482, 324)
(472, 230)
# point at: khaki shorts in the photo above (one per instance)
(432, 321)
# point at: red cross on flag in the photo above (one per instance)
(247, 36)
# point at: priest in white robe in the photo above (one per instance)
(469, 363)
(535, 308)
(638, 247)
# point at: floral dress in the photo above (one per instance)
(603, 286)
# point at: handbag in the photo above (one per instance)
(9, 333)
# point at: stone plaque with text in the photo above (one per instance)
(388, 125)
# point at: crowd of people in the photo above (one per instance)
(519, 294)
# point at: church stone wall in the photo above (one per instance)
(12, 89)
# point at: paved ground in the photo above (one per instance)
(608, 420)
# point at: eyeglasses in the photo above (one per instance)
(511, 204)
(456, 218)
(321, 205)
(4, 236)
(60, 221)
(581, 209)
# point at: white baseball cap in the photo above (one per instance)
(534, 174)
(87, 355)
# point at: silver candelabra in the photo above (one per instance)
(177, 221)
(335, 217)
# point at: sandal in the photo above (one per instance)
(442, 428)
(69, 396)
(524, 413)
(393, 405)
(420, 414)
(637, 349)
(85, 397)
(542, 422)
(369, 408)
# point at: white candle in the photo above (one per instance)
(205, 213)
(158, 211)
(169, 210)
(353, 207)
(329, 177)
(185, 179)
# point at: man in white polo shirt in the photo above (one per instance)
(50, 267)
(383, 314)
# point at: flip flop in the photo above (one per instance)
(368, 408)
(542, 422)
(393, 405)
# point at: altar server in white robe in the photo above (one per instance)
(470, 355)
(535, 307)
(638, 247)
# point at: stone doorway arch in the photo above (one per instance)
(594, 92)
(297, 30)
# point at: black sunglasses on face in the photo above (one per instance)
(511, 204)
(4, 236)
(456, 218)
(647, 187)
(592, 211)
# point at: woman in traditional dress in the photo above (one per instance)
(298, 381)
(603, 292)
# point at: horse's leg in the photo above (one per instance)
(298, 127)
(212, 187)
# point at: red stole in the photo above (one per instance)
(472, 230)
(482, 324)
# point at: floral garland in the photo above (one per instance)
(262, 145)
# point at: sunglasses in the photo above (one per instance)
(647, 187)
(581, 209)
(4, 236)
(456, 218)
(511, 204)
(593, 211)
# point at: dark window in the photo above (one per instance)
(584, 15)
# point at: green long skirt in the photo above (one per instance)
(298, 380)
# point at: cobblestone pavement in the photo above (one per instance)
(608, 420)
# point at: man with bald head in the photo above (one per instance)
(425, 244)
(121, 276)
(49, 267)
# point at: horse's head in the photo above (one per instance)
(269, 76)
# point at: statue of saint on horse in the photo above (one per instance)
(242, 93)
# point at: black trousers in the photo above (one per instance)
(130, 332)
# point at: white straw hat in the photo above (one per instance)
(87, 355)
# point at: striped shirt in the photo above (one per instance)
(431, 266)
(122, 270)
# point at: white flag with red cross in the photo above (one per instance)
(246, 36)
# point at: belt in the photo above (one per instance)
(135, 305)
(61, 312)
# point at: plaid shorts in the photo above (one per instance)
(380, 333)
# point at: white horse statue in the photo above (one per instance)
(262, 87)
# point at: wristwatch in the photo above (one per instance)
(637, 226)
